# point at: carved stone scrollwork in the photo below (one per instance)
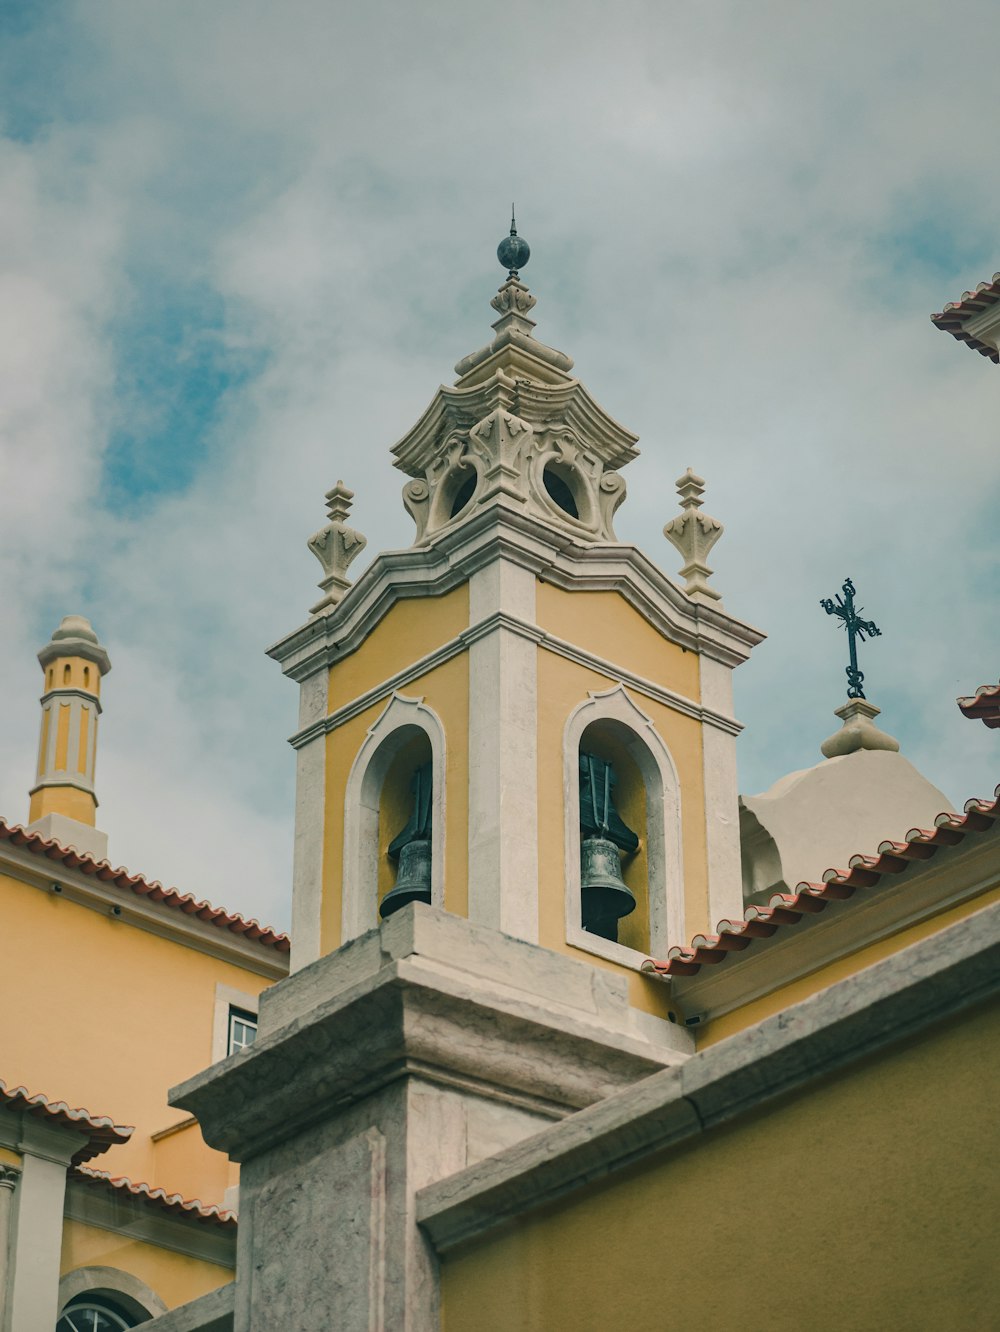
(416, 501)
(612, 493)
(335, 546)
(513, 298)
(502, 442)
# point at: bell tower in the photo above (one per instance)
(516, 780)
(519, 717)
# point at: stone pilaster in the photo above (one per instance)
(37, 1219)
(413, 1051)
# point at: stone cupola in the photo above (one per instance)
(515, 429)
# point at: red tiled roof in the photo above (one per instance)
(142, 887)
(984, 704)
(809, 898)
(955, 313)
(169, 1202)
(100, 1131)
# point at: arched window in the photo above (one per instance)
(92, 1315)
(624, 885)
(394, 814)
(66, 674)
(105, 1299)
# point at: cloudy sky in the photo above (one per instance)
(242, 243)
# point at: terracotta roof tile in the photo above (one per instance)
(734, 936)
(142, 887)
(984, 704)
(955, 313)
(170, 1202)
(100, 1131)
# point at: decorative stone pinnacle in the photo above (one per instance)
(694, 534)
(858, 731)
(338, 502)
(335, 546)
(690, 488)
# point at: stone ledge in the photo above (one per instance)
(926, 983)
(432, 996)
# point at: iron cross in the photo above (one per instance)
(856, 628)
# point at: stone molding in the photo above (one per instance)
(497, 533)
(81, 695)
(665, 885)
(925, 889)
(550, 642)
(395, 725)
(427, 994)
(929, 982)
(137, 1299)
(88, 890)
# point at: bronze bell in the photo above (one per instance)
(604, 893)
(413, 882)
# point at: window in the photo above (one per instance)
(88, 1315)
(242, 1033)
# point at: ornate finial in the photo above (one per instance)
(850, 618)
(694, 534)
(335, 546)
(513, 251)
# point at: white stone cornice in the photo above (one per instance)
(64, 695)
(499, 532)
(550, 642)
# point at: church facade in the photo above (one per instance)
(573, 1034)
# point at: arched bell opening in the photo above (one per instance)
(378, 804)
(613, 816)
(405, 826)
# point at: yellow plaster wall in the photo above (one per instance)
(562, 685)
(175, 1277)
(865, 1203)
(7, 1157)
(604, 623)
(729, 1023)
(446, 690)
(410, 630)
(106, 1016)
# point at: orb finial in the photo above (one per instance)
(513, 251)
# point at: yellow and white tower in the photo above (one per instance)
(483, 692)
(63, 801)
